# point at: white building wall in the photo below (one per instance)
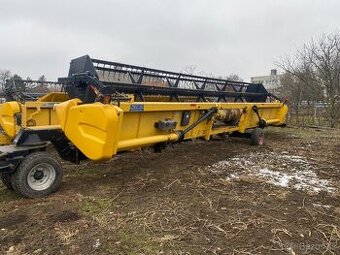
(270, 82)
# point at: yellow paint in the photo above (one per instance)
(54, 97)
(101, 131)
(63, 109)
(30, 114)
(4, 138)
(145, 141)
(92, 129)
(8, 112)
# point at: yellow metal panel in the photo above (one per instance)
(54, 97)
(145, 141)
(92, 129)
(40, 112)
(7, 114)
(283, 113)
(62, 111)
(99, 131)
(40, 116)
(130, 125)
(4, 139)
(169, 106)
(44, 127)
(148, 120)
(221, 130)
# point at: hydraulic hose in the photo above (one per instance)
(182, 133)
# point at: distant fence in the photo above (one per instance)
(309, 115)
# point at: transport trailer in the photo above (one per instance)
(98, 119)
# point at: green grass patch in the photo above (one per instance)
(95, 207)
(136, 242)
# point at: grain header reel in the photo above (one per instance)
(145, 82)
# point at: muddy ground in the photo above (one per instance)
(216, 197)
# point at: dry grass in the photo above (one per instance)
(169, 203)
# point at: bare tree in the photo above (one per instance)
(190, 69)
(42, 78)
(234, 77)
(317, 69)
(4, 76)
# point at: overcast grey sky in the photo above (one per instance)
(219, 36)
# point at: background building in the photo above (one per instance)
(270, 82)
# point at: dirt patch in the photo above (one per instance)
(65, 216)
(12, 220)
(216, 197)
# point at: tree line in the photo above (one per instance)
(312, 77)
(8, 80)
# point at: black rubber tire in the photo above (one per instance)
(19, 177)
(257, 136)
(6, 180)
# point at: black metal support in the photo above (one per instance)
(32, 138)
(25, 90)
(262, 122)
(143, 81)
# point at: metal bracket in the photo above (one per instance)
(262, 122)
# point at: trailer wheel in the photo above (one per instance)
(257, 136)
(6, 180)
(38, 175)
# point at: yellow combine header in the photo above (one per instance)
(108, 107)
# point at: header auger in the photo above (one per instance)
(107, 107)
